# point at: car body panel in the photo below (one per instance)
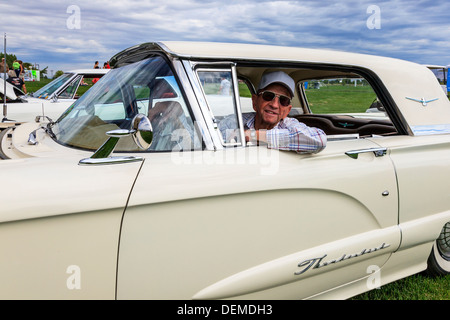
(256, 200)
(53, 245)
(12, 93)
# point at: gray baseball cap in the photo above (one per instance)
(277, 77)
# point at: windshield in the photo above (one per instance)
(147, 87)
(46, 91)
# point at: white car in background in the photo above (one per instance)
(49, 102)
(441, 73)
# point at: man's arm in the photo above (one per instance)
(293, 136)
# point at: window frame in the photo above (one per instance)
(222, 67)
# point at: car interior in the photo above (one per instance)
(343, 104)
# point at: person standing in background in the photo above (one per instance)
(16, 67)
(4, 69)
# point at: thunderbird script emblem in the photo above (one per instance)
(423, 101)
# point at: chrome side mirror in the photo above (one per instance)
(143, 135)
(142, 132)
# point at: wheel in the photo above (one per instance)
(439, 260)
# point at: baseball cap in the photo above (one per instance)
(277, 77)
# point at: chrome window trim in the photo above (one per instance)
(207, 112)
(184, 72)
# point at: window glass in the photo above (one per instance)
(345, 108)
(341, 95)
(147, 87)
(69, 92)
(218, 89)
(50, 88)
(440, 74)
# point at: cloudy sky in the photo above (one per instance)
(66, 35)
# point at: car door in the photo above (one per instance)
(251, 222)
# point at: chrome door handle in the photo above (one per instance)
(378, 152)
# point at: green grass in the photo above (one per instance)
(332, 98)
(33, 86)
(416, 287)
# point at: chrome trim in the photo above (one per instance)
(210, 120)
(102, 155)
(422, 130)
(237, 102)
(195, 96)
(109, 160)
(378, 152)
(422, 100)
(316, 263)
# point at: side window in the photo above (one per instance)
(343, 95)
(218, 89)
(70, 90)
(345, 107)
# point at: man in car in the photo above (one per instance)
(270, 124)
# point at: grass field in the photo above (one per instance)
(331, 98)
(33, 86)
(325, 100)
(416, 287)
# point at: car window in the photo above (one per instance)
(146, 87)
(218, 90)
(339, 95)
(70, 90)
(344, 107)
(46, 91)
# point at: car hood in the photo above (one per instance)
(33, 107)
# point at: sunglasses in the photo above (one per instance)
(269, 96)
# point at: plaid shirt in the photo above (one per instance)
(288, 134)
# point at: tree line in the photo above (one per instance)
(10, 58)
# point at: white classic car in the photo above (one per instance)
(51, 100)
(134, 193)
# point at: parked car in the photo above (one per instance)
(134, 193)
(50, 101)
(441, 73)
(13, 94)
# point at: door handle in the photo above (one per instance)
(378, 152)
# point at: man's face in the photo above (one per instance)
(269, 113)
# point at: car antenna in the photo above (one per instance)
(4, 82)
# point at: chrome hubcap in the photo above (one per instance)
(443, 242)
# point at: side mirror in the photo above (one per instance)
(143, 135)
(142, 132)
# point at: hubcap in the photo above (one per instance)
(443, 242)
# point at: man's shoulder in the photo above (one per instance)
(247, 116)
(289, 121)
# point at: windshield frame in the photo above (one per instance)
(158, 67)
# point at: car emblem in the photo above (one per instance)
(423, 101)
(345, 125)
